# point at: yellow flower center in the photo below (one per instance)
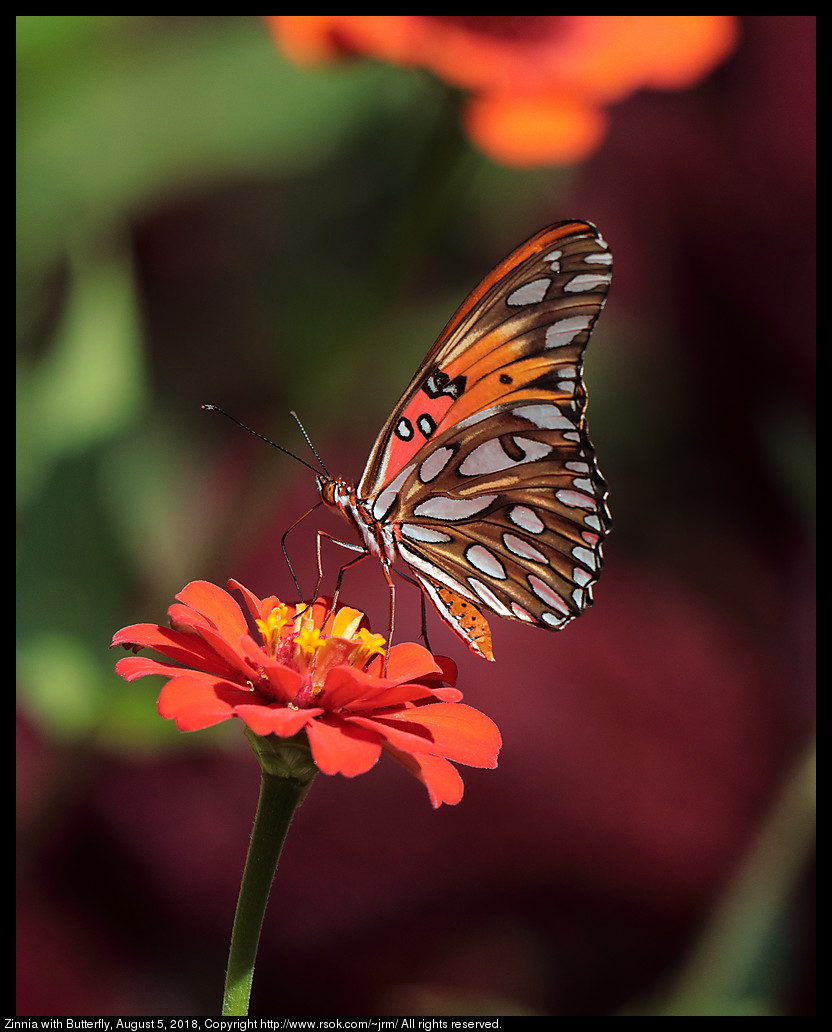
(293, 638)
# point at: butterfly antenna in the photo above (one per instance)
(303, 462)
(296, 418)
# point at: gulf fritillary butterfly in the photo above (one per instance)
(483, 481)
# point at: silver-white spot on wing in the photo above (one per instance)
(430, 535)
(564, 331)
(440, 508)
(387, 497)
(583, 555)
(530, 293)
(434, 572)
(575, 499)
(554, 257)
(487, 595)
(490, 457)
(434, 464)
(598, 258)
(485, 561)
(526, 519)
(544, 416)
(523, 614)
(520, 547)
(547, 594)
(587, 281)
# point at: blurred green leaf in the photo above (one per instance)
(91, 383)
(141, 112)
(62, 684)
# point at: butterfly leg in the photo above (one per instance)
(344, 568)
(424, 621)
(385, 569)
(410, 580)
(286, 553)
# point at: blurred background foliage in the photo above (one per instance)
(199, 220)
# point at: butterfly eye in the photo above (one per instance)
(327, 489)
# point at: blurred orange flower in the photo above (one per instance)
(539, 84)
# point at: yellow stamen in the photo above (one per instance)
(271, 627)
(308, 640)
(369, 645)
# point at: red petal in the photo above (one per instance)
(228, 649)
(185, 618)
(446, 694)
(448, 668)
(142, 634)
(440, 778)
(185, 648)
(133, 667)
(283, 681)
(217, 605)
(254, 604)
(275, 720)
(346, 687)
(455, 731)
(194, 705)
(339, 748)
(407, 662)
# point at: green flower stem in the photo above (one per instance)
(282, 789)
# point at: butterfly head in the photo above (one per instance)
(340, 495)
(335, 492)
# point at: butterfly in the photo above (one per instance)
(483, 481)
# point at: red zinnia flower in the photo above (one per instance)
(314, 670)
(539, 83)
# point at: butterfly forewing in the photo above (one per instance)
(533, 313)
(484, 475)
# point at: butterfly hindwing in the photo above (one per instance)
(513, 521)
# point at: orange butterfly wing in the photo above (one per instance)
(485, 470)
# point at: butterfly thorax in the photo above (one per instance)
(341, 495)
